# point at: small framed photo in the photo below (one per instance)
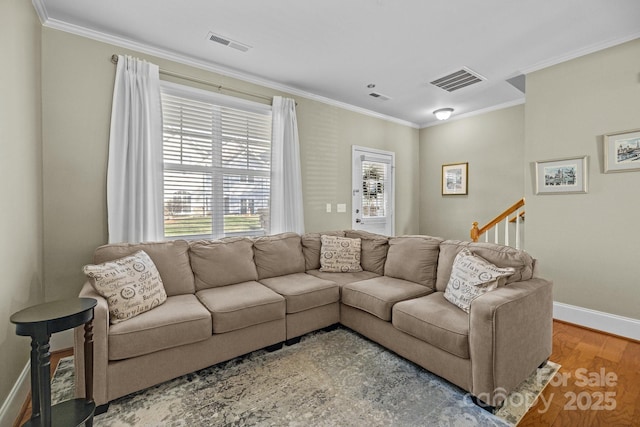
(455, 179)
(622, 151)
(562, 176)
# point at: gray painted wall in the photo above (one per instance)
(20, 182)
(493, 145)
(587, 243)
(78, 80)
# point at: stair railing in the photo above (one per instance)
(504, 216)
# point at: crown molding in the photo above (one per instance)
(190, 61)
(581, 52)
(509, 104)
(249, 78)
(41, 10)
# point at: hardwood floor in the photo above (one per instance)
(598, 383)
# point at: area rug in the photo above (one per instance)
(335, 378)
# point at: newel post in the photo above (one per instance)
(475, 232)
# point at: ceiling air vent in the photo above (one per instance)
(228, 42)
(379, 96)
(457, 80)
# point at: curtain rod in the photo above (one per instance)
(114, 59)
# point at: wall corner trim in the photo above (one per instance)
(10, 409)
(606, 322)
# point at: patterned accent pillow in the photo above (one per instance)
(131, 285)
(340, 254)
(471, 277)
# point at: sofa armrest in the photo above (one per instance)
(100, 348)
(510, 335)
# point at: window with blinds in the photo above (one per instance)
(217, 161)
(374, 196)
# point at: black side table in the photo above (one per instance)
(39, 322)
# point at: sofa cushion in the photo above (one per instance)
(498, 255)
(434, 320)
(222, 262)
(472, 276)
(170, 258)
(241, 305)
(311, 246)
(343, 278)
(303, 291)
(413, 258)
(278, 255)
(131, 285)
(374, 249)
(180, 320)
(340, 254)
(378, 295)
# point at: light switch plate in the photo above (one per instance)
(341, 207)
(328, 207)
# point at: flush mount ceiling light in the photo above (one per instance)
(443, 113)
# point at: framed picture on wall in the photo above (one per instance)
(562, 176)
(455, 179)
(622, 151)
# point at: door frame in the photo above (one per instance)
(373, 152)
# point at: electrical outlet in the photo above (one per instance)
(328, 207)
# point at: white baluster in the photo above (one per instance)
(486, 236)
(518, 229)
(506, 231)
(496, 234)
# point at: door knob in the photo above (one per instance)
(358, 220)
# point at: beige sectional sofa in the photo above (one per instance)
(229, 297)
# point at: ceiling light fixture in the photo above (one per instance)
(443, 113)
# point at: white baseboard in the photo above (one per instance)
(11, 407)
(606, 322)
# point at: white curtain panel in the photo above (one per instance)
(134, 173)
(286, 179)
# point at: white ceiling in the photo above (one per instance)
(331, 49)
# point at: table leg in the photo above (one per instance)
(35, 384)
(44, 378)
(88, 360)
(88, 366)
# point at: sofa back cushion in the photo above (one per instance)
(311, 246)
(278, 255)
(170, 258)
(222, 262)
(499, 255)
(374, 249)
(413, 258)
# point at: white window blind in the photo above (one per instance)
(217, 156)
(374, 195)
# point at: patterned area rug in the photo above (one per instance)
(335, 378)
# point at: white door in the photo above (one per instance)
(372, 190)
